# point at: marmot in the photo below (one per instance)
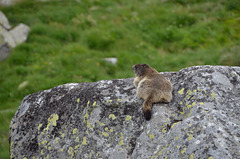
(152, 87)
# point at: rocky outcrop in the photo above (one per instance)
(104, 119)
(10, 38)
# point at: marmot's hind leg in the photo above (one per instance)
(167, 98)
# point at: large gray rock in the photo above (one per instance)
(104, 119)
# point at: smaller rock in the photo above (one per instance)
(4, 21)
(111, 60)
(4, 51)
(19, 35)
(22, 85)
(8, 2)
(10, 38)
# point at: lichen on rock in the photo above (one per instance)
(104, 119)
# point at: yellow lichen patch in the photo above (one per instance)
(189, 106)
(180, 102)
(43, 142)
(78, 100)
(176, 138)
(75, 131)
(56, 140)
(190, 137)
(71, 152)
(101, 124)
(181, 91)
(120, 143)
(194, 104)
(174, 124)
(182, 113)
(183, 150)
(84, 142)
(112, 116)
(189, 92)
(210, 157)
(76, 147)
(11, 144)
(111, 130)
(77, 139)
(105, 134)
(85, 117)
(128, 117)
(119, 100)
(151, 136)
(109, 101)
(89, 124)
(94, 103)
(39, 126)
(191, 156)
(88, 103)
(106, 129)
(201, 103)
(213, 95)
(52, 119)
(24, 157)
(63, 135)
(178, 146)
(164, 130)
(160, 153)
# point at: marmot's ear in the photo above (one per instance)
(145, 66)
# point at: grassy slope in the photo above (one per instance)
(68, 41)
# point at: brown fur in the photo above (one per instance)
(152, 87)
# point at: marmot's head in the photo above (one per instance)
(140, 69)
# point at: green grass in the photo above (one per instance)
(69, 41)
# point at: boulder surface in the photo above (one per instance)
(104, 119)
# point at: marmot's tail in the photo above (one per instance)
(147, 108)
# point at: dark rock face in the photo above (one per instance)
(105, 120)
